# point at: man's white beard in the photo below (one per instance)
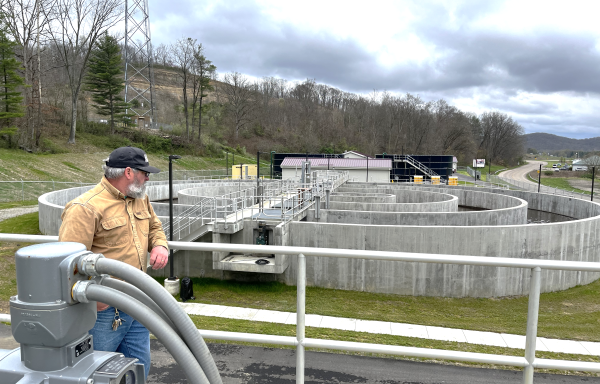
(136, 190)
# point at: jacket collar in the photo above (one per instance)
(111, 189)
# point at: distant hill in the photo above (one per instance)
(548, 142)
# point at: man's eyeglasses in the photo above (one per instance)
(147, 174)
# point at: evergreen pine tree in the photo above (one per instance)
(105, 81)
(11, 99)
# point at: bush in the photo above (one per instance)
(48, 146)
(213, 149)
(10, 135)
(549, 173)
(96, 128)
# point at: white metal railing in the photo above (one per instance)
(290, 197)
(529, 362)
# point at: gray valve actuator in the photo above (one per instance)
(52, 328)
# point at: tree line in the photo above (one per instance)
(58, 45)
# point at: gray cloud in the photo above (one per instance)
(241, 38)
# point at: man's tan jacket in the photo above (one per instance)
(108, 222)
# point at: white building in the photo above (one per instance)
(354, 155)
(378, 170)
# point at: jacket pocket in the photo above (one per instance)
(142, 221)
(115, 231)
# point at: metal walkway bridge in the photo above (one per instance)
(276, 200)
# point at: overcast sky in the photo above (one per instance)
(538, 61)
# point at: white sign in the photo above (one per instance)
(478, 163)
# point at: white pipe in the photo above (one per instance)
(300, 317)
(516, 361)
(532, 323)
(356, 254)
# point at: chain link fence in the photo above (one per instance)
(11, 191)
(190, 174)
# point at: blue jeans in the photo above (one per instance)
(131, 339)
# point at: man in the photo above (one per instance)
(115, 218)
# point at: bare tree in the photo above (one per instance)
(78, 25)
(26, 21)
(501, 136)
(240, 95)
(183, 58)
(162, 55)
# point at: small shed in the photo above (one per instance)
(371, 170)
(353, 155)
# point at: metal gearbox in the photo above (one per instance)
(52, 328)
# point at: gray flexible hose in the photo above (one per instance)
(137, 294)
(169, 305)
(155, 324)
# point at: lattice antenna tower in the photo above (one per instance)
(139, 71)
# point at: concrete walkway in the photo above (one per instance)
(388, 328)
(396, 329)
(18, 211)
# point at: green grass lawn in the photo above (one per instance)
(571, 314)
(28, 225)
(558, 182)
(231, 325)
(17, 204)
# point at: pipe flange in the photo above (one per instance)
(78, 292)
(87, 264)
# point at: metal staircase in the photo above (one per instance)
(416, 164)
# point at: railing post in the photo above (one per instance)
(532, 323)
(300, 318)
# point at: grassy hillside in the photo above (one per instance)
(83, 160)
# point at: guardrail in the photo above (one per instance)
(528, 362)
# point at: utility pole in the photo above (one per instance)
(539, 178)
(593, 177)
(171, 226)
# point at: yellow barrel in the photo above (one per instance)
(453, 180)
(435, 180)
(418, 180)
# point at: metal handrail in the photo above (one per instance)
(417, 164)
(528, 362)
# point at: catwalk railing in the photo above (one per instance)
(528, 361)
(272, 200)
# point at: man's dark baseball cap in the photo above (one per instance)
(130, 157)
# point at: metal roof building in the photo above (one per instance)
(372, 170)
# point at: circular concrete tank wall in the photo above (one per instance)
(363, 197)
(405, 201)
(497, 231)
(576, 240)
